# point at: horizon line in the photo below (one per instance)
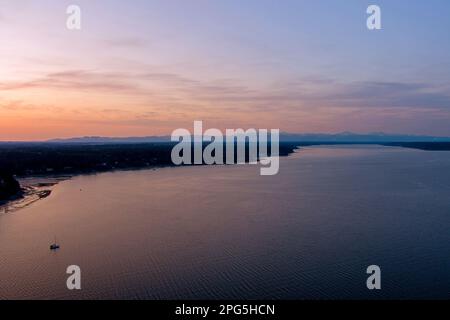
(164, 137)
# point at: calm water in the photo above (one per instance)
(227, 232)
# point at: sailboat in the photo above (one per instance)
(54, 246)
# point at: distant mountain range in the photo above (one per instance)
(356, 137)
(95, 139)
(287, 137)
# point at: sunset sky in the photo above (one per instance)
(148, 67)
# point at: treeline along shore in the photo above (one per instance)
(38, 159)
(51, 159)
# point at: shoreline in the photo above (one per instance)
(35, 187)
(31, 193)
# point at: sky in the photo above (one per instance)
(140, 68)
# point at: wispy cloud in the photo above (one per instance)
(21, 106)
(73, 79)
(305, 92)
(125, 42)
(392, 94)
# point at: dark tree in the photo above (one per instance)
(9, 186)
